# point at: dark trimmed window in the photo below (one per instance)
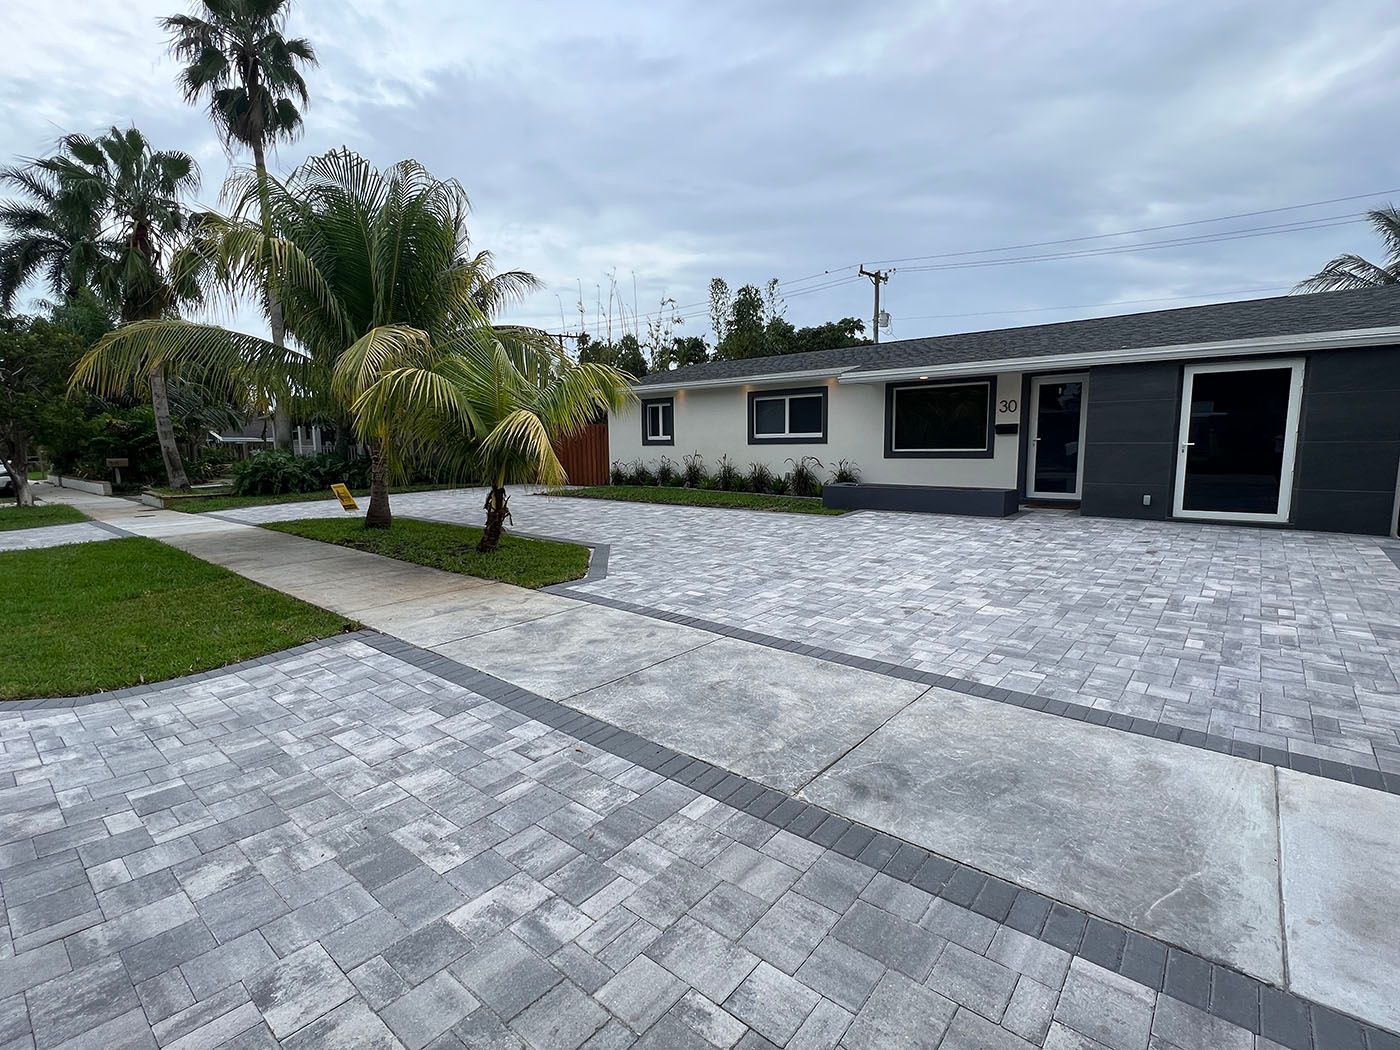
(788, 417)
(658, 421)
(950, 420)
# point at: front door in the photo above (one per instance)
(1055, 462)
(1238, 439)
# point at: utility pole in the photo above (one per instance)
(877, 278)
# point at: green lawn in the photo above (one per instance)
(12, 517)
(523, 562)
(95, 616)
(200, 504)
(700, 498)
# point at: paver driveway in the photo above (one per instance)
(338, 849)
(1283, 638)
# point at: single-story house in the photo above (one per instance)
(1281, 411)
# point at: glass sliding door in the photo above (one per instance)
(1238, 440)
(1054, 462)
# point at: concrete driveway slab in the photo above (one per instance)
(482, 606)
(1168, 840)
(351, 588)
(773, 716)
(1340, 909)
(559, 656)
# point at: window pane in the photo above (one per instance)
(768, 416)
(942, 418)
(666, 415)
(805, 415)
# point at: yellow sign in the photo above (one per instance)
(343, 494)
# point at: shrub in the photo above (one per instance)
(618, 474)
(779, 485)
(277, 471)
(803, 478)
(273, 473)
(727, 477)
(693, 472)
(760, 477)
(666, 473)
(846, 472)
(641, 474)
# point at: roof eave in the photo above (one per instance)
(1349, 338)
(768, 377)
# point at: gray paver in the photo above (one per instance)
(294, 991)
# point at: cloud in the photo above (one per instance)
(678, 141)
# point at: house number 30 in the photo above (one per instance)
(1007, 405)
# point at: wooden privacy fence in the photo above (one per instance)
(585, 456)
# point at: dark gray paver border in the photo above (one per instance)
(1361, 776)
(1288, 1019)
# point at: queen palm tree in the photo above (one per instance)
(1348, 272)
(365, 264)
(238, 59)
(106, 213)
(497, 400)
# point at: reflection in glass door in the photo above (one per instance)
(1054, 464)
(1235, 454)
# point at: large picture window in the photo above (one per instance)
(790, 417)
(948, 420)
(658, 419)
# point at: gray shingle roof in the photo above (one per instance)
(1254, 318)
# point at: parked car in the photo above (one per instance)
(7, 483)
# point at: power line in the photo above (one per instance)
(1128, 249)
(1142, 229)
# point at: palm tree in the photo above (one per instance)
(106, 214)
(365, 264)
(498, 401)
(1348, 272)
(238, 59)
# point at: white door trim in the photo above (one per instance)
(1290, 439)
(1034, 410)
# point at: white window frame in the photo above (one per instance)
(1290, 439)
(787, 433)
(658, 406)
(984, 450)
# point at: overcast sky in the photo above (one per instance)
(667, 143)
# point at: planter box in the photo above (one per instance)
(97, 488)
(927, 499)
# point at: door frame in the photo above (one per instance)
(1033, 434)
(1290, 440)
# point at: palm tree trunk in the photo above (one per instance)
(281, 413)
(378, 516)
(497, 511)
(165, 433)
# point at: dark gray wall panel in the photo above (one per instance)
(1130, 440)
(1349, 442)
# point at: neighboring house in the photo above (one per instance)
(1282, 411)
(257, 434)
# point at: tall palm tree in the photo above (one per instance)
(365, 263)
(1348, 272)
(106, 213)
(240, 61)
(497, 400)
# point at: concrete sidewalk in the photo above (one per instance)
(1284, 876)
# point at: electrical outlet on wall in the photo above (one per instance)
(1146, 499)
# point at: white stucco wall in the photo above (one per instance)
(713, 421)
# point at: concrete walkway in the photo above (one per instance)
(1286, 877)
